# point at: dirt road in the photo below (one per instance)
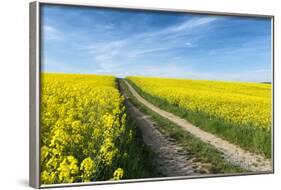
(170, 159)
(232, 153)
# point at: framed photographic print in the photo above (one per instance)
(130, 94)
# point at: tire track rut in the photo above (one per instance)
(170, 158)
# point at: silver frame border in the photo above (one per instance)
(34, 92)
(34, 95)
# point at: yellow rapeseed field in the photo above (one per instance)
(82, 117)
(243, 104)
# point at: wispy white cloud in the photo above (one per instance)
(51, 33)
(132, 47)
(136, 53)
(190, 24)
(183, 27)
(102, 27)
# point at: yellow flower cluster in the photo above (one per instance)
(118, 174)
(82, 118)
(236, 102)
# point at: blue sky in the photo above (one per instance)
(174, 45)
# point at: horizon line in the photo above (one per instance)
(175, 78)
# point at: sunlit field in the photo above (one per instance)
(237, 111)
(85, 134)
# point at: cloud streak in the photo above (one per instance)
(147, 43)
(179, 45)
(51, 33)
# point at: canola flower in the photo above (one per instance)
(82, 119)
(118, 174)
(244, 104)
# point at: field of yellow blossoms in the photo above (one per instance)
(86, 134)
(240, 104)
(82, 121)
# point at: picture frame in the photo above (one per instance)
(36, 40)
